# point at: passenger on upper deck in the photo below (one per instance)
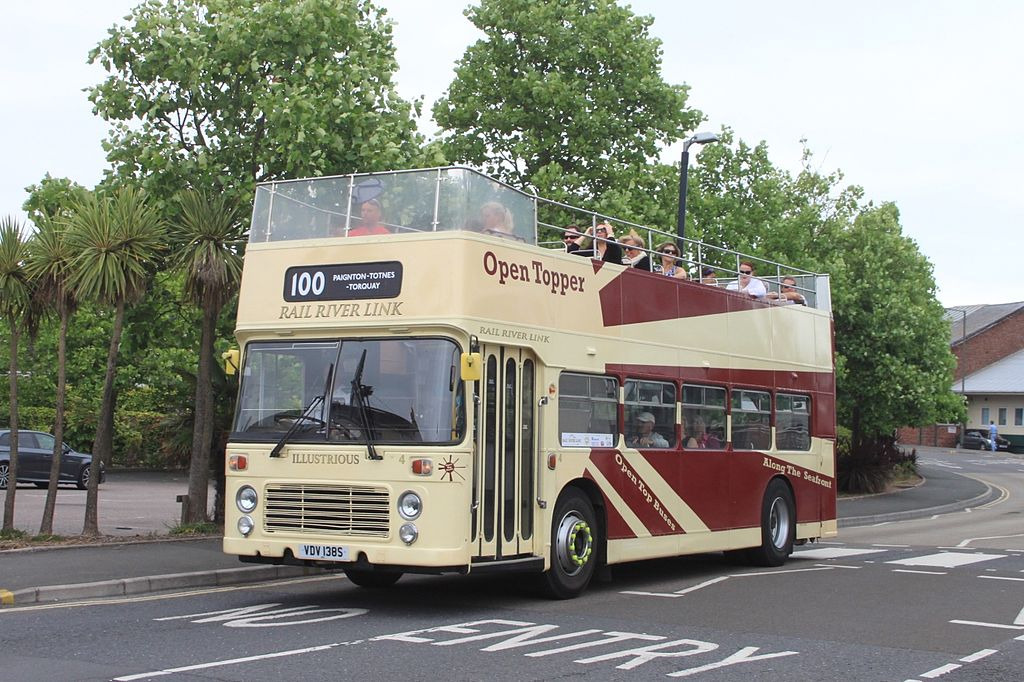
(708, 276)
(670, 265)
(496, 220)
(369, 220)
(747, 283)
(787, 293)
(635, 254)
(572, 238)
(605, 246)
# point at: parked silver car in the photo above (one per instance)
(35, 453)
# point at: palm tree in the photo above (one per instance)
(49, 265)
(116, 241)
(209, 254)
(15, 295)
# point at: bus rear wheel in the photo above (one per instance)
(573, 546)
(372, 579)
(778, 526)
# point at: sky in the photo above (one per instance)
(918, 102)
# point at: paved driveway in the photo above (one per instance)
(131, 503)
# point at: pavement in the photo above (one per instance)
(51, 574)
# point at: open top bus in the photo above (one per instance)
(430, 383)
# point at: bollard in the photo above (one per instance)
(184, 508)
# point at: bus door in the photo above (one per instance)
(506, 454)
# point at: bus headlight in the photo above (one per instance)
(246, 499)
(408, 533)
(410, 505)
(245, 525)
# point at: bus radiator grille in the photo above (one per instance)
(353, 510)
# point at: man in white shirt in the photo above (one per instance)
(747, 283)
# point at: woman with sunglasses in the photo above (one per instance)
(670, 266)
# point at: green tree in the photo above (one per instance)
(51, 198)
(221, 94)
(15, 294)
(895, 367)
(117, 241)
(211, 259)
(563, 96)
(49, 265)
(740, 200)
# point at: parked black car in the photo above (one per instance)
(35, 453)
(977, 439)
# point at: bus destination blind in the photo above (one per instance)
(343, 282)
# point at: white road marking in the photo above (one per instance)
(946, 559)
(948, 466)
(968, 541)
(981, 624)
(833, 553)
(908, 570)
(941, 670)
(1000, 577)
(1019, 620)
(713, 581)
(232, 661)
(896, 546)
(978, 655)
(702, 585)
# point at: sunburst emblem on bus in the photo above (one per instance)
(449, 469)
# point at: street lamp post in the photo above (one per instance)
(684, 170)
(961, 365)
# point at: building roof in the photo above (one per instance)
(1002, 376)
(977, 317)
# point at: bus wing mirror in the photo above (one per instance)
(472, 366)
(231, 359)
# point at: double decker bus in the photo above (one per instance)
(427, 385)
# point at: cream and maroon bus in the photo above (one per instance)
(428, 386)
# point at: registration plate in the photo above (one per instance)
(323, 552)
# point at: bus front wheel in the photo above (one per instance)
(778, 526)
(573, 546)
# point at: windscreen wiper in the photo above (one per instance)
(305, 415)
(364, 413)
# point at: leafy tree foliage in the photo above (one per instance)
(740, 200)
(219, 94)
(565, 97)
(896, 367)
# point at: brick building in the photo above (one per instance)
(988, 342)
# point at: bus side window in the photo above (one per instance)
(587, 410)
(792, 422)
(751, 420)
(645, 399)
(703, 417)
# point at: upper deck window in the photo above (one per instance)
(392, 203)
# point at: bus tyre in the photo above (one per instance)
(778, 526)
(573, 546)
(372, 579)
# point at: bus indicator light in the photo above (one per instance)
(552, 460)
(422, 467)
(238, 462)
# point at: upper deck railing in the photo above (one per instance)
(462, 199)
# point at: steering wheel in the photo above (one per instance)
(294, 418)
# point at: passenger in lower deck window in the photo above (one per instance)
(645, 435)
